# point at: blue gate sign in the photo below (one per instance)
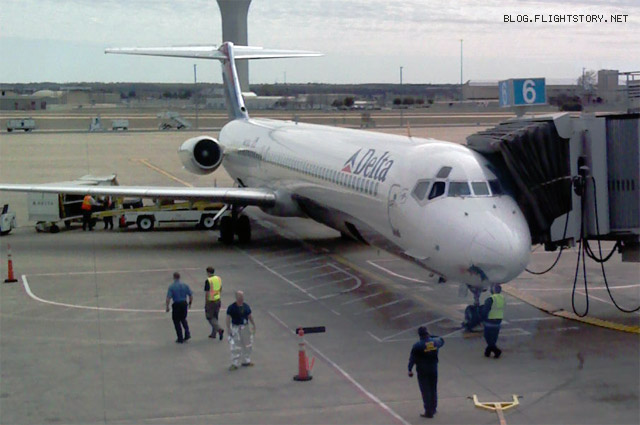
(530, 91)
(522, 92)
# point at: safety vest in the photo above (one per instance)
(215, 287)
(86, 203)
(497, 307)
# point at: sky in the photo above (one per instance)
(363, 41)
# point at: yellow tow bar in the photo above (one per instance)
(497, 406)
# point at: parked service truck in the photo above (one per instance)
(119, 124)
(7, 220)
(24, 124)
(204, 215)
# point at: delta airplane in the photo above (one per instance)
(434, 202)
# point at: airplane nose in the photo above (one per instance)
(501, 248)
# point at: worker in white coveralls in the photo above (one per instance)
(240, 336)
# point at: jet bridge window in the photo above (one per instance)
(420, 189)
(459, 189)
(480, 188)
(437, 190)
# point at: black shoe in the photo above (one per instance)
(426, 415)
(179, 341)
(186, 338)
(487, 353)
(498, 352)
(221, 333)
(212, 336)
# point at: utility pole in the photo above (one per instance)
(401, 74)
(195, 90)
(461, 57)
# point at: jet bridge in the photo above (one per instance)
(570, 173)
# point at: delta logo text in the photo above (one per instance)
(369, 164)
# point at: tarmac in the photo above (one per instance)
(84, 337)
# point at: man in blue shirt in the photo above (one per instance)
(424, 354)
(178, 292)
(240, 337)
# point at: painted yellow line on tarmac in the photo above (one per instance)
(146, 163)
(548, 308)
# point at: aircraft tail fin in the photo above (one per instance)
(227, 53)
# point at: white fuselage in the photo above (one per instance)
(388, 190)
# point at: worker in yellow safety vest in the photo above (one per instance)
(213, 292)
(87, 205)
(494, 310)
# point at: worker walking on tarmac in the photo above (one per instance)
(240, 338)
(424, 354)
(87, 205)
(178, 292)
(494, 312)
(213, 293)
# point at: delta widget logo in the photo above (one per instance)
(369, 164)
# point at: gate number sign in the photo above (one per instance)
(522, 92)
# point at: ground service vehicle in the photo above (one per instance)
(7, 220)
(24, 124)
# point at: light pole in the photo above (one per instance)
(461, 57)
(401, 111)
(195, 90)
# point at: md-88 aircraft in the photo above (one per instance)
(435, 202)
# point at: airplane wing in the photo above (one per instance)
(228, 195)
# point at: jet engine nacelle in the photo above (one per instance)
(201, 155)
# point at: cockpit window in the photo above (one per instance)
(480, 188)
(420, 190)
(443, 173)
(437, 190)
(459, 189)
(496, 187)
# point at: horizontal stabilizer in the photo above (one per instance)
(212, 52)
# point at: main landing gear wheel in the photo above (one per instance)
(226, 230)
(243, 229)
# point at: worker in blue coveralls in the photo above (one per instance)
(424, 354)
(494, 313)
(178, 292)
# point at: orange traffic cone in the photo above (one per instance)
(11, 278)
(303, 361)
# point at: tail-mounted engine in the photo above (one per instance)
(201, 155)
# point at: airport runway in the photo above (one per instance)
(84, 338)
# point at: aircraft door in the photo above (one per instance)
(397, 198)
